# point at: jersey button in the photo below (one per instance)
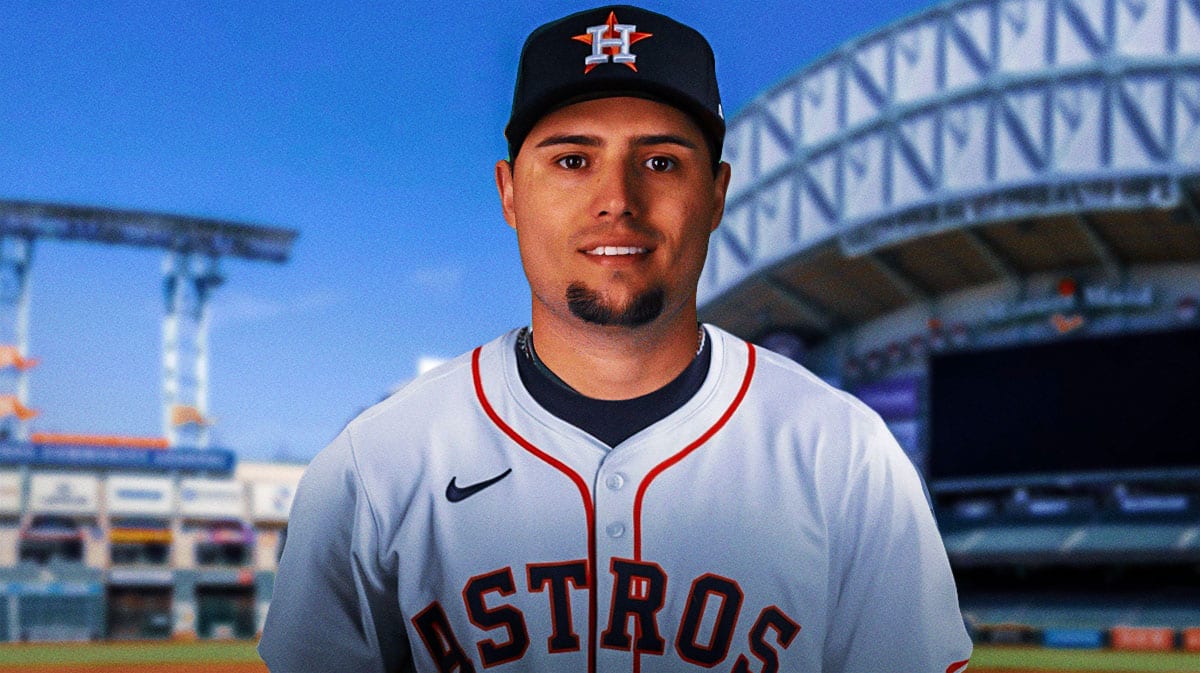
(614, 482)
(615, 529)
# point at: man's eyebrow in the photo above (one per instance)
(665, 139)
(567, 139)
(641, 141)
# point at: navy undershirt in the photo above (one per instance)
(610, 421)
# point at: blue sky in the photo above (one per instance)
(371, 128)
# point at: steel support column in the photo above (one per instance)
(1104, 252)
(805, 307)
(16, 257)
(188, 282)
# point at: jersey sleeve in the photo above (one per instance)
(335, 605)
(896, 606)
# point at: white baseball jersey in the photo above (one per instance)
(771, 523)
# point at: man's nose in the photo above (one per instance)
(617, 193)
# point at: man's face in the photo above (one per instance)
(613, 201)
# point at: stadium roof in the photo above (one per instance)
(975, 142)
(179, 233)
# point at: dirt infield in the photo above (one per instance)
(972, 669)
(241, 667)
(258, 667)
(233, 656)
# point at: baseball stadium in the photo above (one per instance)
(983, 221)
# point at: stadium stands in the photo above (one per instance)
(114, 546)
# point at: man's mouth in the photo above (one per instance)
(614, 250)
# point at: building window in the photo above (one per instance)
(50, 538)
(138, 612)
(225, 543)
(140, 542)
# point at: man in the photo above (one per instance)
(615, 487)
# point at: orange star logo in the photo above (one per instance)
(610, 43)
(1066, 324)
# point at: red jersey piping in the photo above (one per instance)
(584, 493)
(673, 460)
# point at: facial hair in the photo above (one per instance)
(587, 305)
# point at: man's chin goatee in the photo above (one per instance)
(589, 306)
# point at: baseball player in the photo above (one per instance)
(614, 487)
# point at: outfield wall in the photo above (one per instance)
(96, 549)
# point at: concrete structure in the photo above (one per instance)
(128, 543)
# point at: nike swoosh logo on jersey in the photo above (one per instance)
(455, 493)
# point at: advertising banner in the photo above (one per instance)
(1142, 638)
(1074, 639)
(908, 436)
(140, 496)
(894, 399)
(211, 499)
(64, 494)
(225, 578)
(1191, 639)
(272, 501)
(10, 492)
(52, 588)
(25, 453)
(140, 536)
(897, 400)
(140, 577)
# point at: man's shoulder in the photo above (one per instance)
(792, 386)
(824, 419)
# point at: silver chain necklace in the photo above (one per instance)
(525, 342)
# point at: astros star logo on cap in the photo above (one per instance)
(611, 41)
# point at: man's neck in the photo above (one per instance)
(616, 363)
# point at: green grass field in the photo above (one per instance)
(208, 656)
(83, 654)
(1082, 661)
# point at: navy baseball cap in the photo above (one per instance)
(616, 51)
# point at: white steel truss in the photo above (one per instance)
(190, 273)
(972, 112)
(188, 282)
(16, 258)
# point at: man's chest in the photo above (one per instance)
(714, 557)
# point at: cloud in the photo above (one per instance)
(441, 281)
(428, 362)
(235, 308)
(424, 364)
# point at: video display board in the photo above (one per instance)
(1083, 405)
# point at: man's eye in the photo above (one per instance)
(572, 162)
(660, 164)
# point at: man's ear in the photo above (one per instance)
(504, 185)
(721, 188)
